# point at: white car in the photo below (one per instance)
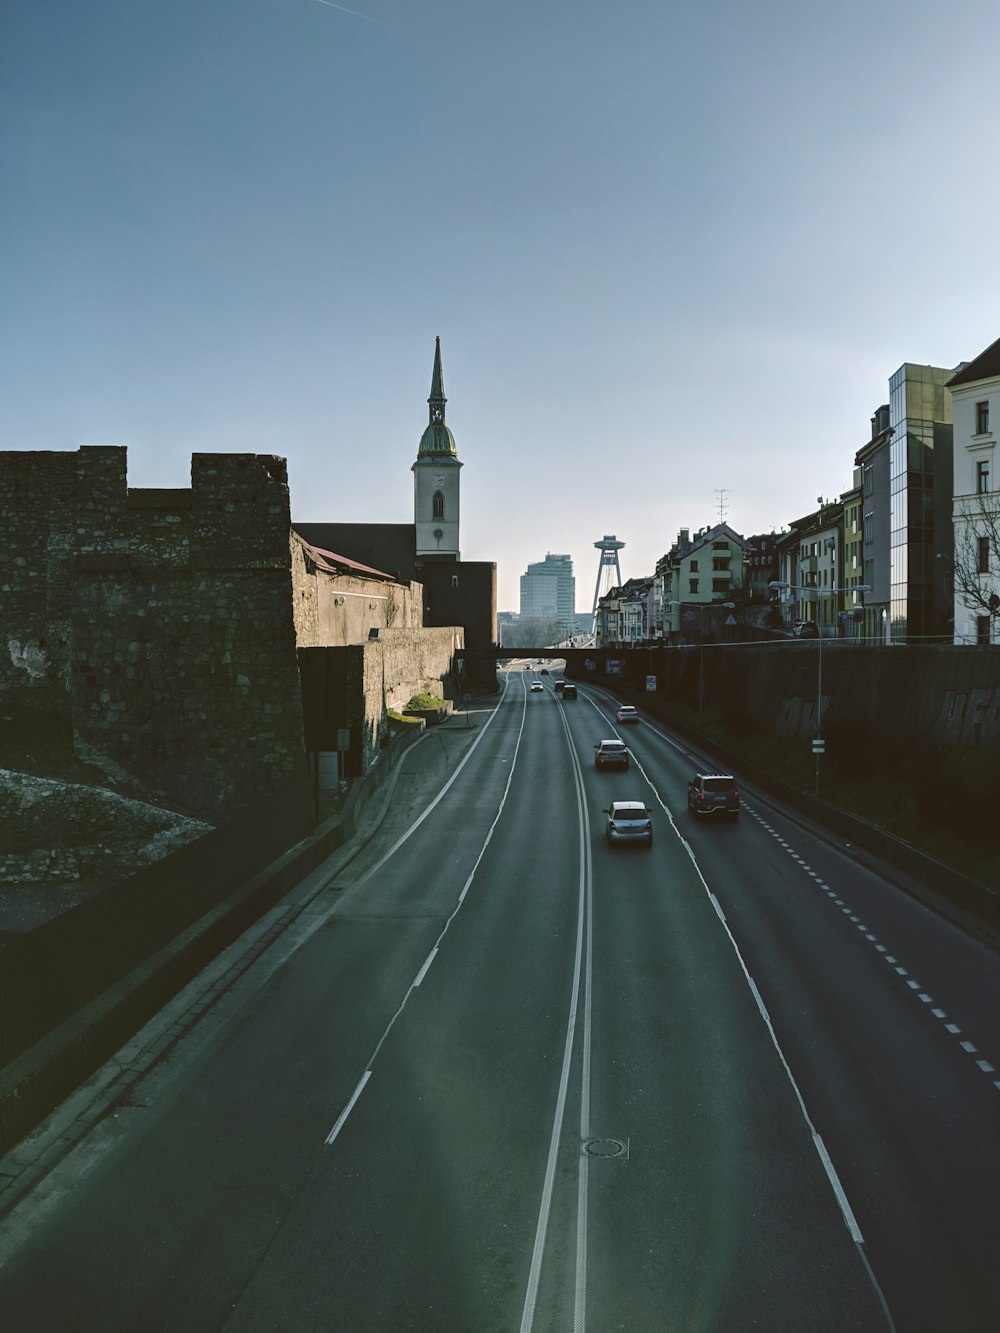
(629, 821)
(537, 687)
(628, 714)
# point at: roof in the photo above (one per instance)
(985, 366)
(332, 563)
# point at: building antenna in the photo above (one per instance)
(722, 503)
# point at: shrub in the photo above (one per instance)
(421, 703)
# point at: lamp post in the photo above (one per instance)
(701, 649)
(778, 585)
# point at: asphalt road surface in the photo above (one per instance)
(501, 1076)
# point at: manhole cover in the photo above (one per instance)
(604, 1148)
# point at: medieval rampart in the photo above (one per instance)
(153, 628)
(154, 632)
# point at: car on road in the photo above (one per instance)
(537, 687)
(544, 671)
(629, 821)
(805, 629)
(628, 714)
(568, 691)
(558, 686)
(611, 754)
(714, 794)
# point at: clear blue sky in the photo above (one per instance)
(669, 248)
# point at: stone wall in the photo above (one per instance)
(154, 627)
(892, 697)
(350, 687)
(335, 605)
(37, 534)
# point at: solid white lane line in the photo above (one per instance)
(545, 1207)
(838, 1189)
(403, 837)
(427, 962)
(581, 969)
(847, 1212)
(349, 1107)
(583, 1161)
(458, 907)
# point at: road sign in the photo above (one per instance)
(819, 747)
(650, 684)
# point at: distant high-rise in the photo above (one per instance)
(548, 588)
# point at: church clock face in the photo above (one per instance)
(438, 478)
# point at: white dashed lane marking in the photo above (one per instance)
(897, 967)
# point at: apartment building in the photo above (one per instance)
(975, 396)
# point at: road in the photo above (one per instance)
(500, 1076)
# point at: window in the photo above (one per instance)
(983, 476)
(692, 585)
(983, 418)
(984, 555)
(720, 562)
(983, 629)
(694, 566)
(720, 585)
(438, 503)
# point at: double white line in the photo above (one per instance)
(579, 1003)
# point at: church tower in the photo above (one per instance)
(435, 479)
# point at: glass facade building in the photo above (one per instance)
(548, 588)
(920, 497)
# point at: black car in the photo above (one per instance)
(806, 629)
(714, 794)
(568, 691)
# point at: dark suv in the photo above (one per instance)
(714, 794)
(611, 754)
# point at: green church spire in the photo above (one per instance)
(437, 440)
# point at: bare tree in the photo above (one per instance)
(533, 632)
(976, 568)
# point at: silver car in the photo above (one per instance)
(629, 821)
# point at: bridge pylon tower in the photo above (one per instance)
(609, 571)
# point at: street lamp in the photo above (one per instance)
(701, 649)
(779, 585)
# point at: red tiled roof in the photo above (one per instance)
(340, 564)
